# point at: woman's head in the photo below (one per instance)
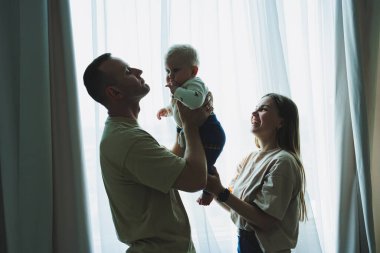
(276, 117)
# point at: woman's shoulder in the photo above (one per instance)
(284, 155)
(246, 159)
(251, 154)
(284, 160)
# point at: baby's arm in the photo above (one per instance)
(192, 94)
(164, 112)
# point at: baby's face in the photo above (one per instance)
(178, 72)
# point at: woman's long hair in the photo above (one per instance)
(288, 138)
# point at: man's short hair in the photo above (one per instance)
(96, 80)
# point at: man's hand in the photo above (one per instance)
(191, 118)
(208, 104)
(198, 116)
(214, 185)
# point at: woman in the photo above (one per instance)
(267, 194)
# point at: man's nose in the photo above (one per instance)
(137, 72)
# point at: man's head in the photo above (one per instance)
(96, 80)
(109, 80)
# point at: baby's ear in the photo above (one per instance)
(195, 70)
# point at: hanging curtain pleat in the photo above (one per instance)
(69, 204)
(356, 227)
(40, 155)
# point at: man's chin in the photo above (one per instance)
(147, 89)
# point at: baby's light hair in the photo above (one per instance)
(186, 53)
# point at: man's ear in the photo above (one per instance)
(113, 92)
(194, 70)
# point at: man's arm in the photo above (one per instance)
(177, 150)
(194, 176)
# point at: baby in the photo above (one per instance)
(182, 66)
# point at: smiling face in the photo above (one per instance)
(265, 120)
(179, 71)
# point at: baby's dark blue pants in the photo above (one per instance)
(213, 140)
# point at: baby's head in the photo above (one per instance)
(181, 63)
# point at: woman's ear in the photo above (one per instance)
(113, 92)
(194, 70)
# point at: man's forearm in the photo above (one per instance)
(194, 154)
(177, 150)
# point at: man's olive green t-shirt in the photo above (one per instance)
(138, 174)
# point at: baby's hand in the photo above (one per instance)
(171, 86)
(162, 113)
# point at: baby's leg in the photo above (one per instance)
(213, 139)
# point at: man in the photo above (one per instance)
(140, 176)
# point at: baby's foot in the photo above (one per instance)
(205, 199)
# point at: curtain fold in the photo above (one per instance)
(368, 20)
(3, 236)
(9, 139)
(69, 215)
(40, 154)
(375, 148)
(356, 227)
(34, 152)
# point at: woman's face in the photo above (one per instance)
(265, 119)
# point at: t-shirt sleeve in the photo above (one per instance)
(193, 94)
(239, 169)
(153, 165)
(277, 189)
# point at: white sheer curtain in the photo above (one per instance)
(246, 48)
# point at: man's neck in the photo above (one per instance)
(128, 112)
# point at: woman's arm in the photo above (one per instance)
(223, 205)
(251, 213)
